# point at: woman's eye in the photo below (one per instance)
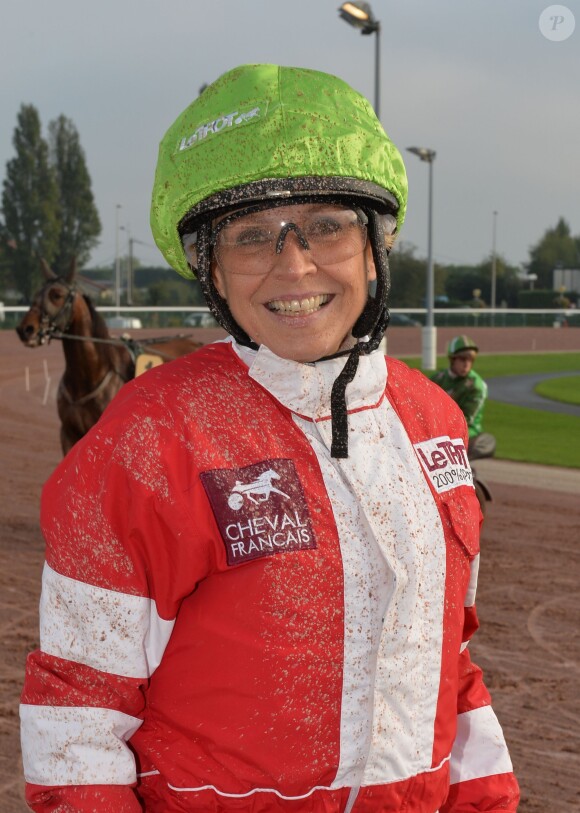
(324, 229)
(252, 237)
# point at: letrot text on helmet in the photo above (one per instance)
(220, 124)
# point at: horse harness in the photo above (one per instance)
(48, 324)
(49, 329)
(62, 390)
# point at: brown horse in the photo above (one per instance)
(96, 365)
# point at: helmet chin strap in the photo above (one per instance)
(218, 306)
(372, 322)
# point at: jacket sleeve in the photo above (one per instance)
(472, 402)
(110, 595)
(482, 777)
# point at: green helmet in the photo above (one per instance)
(261, 132)
(459, 344)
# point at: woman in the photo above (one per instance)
(261, 564)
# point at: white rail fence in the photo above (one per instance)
(180, 316)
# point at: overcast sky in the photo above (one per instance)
(475, 80)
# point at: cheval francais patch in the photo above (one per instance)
(445, 463)
(260, 510)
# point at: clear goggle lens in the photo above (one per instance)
(250, 243)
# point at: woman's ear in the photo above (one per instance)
(370, 262)
(189, 242)
(217, 276)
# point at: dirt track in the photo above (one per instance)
(529, 599)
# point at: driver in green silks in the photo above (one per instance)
(469, 391)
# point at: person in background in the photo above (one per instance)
(261, 563)
(469, 391)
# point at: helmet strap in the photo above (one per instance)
(374, 319)
(373, 322)
(338, 410)
(217, 304)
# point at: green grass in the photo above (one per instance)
(566, 389)
(516, 364)
(523, 434)
(534, 436)
(526, 364)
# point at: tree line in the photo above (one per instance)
(557, 248)
(48, 210)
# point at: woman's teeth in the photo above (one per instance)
(301, 306)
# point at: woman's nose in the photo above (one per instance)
(294, 258)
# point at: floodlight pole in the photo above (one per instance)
(117, 261)
(493, 268)
(360, 15)
(377, 69)
(429, 332)
(132, 241)
(130, 273)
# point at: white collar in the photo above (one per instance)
(305, 388)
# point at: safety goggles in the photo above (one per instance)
(250, 241)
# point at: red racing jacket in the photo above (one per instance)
(231, 619)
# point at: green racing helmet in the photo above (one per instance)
(460, 344)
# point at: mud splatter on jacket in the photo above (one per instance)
(233, 620)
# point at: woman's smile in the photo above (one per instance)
(298, 306)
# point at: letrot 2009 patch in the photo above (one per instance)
(445, 462)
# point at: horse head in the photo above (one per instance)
(52, 307)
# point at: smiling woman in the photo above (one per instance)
(262, 563)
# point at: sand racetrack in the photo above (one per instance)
(528, 598)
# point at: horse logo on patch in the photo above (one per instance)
(257, 517)
(257, 491)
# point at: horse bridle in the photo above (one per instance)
(49, 327)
